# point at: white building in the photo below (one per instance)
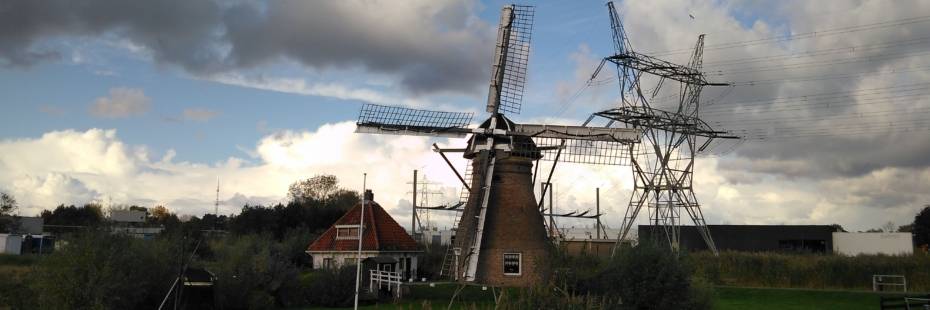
(870, 243)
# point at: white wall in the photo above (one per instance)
(339, 258)
(445, 236)
(873, 243)
(11, 244)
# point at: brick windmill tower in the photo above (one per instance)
(501, 238)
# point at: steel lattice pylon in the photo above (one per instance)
(663, 166)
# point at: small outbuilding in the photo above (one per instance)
(386, 246)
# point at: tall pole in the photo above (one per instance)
(597, 199)
(361, 227)
(413, 216)
(216, 206)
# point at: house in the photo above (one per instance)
(132, 223)
(386, 246)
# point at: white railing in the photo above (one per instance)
(879, 281)
(380, 279)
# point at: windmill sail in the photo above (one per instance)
(379, 119)
(511, 57)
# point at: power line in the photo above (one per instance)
(865, 91)
(806, 35)
(815, 53)
(829, 76)
(811, 64)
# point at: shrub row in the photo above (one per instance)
(809, 271)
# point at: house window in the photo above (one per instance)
(346, 232)
(349, 261)
(512, 262)
(327, 263)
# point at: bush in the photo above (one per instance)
(332, 288)
(103, 271)
(15, 292)
(808, 270)
(553, 297)
(251, 270)
(430, 262)
(648, 276)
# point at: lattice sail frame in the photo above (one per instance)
(517, 57)
(380, 119)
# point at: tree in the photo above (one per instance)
(888, 227)
(7, 207)
(7, 204)
(88, 215)
(318, 188)
(162, 216)
(99, 270)
(921, 226)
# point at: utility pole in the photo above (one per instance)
(413, 215)
(216, 206)
(361, 227)
(597, 199)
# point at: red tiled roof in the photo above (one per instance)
(382, 233)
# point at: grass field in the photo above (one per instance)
(727, 298)
(425, 297)
(787, 299)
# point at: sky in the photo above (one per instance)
(150, 103)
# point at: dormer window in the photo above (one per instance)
(347, 232)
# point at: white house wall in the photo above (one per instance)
(873, 243)
(340, 257)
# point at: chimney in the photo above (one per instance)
(369, 195)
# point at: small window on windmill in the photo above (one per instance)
(512, 262)
(347, 232)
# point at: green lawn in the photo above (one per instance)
(787, 299)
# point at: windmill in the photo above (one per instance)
(663, 174)
(501, 239)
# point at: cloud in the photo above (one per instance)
(51, 110)
(77, 167)
(418, 42)
(200, 114)
(302, 87)
(52, 189)
(121, 103)
(74, 167)
(807, 105)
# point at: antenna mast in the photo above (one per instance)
(216, 206)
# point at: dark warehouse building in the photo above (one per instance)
(752, 238)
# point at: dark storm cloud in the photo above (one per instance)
(431, 46)
(176, 31)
